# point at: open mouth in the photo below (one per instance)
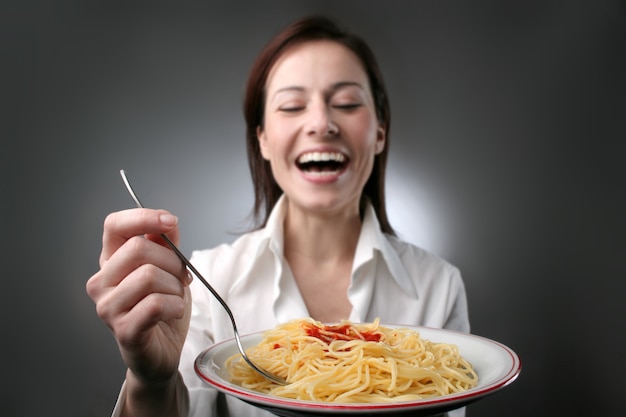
(322, 163)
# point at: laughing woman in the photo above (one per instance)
(318, 121)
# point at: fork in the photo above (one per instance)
(272, 377)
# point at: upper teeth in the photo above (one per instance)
(321, 156)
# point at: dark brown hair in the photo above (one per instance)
(266, 190)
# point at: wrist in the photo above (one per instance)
(158, 398)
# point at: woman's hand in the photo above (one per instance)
(141, 292)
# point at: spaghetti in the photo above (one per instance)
(353, 363)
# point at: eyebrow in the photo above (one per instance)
(334, 87)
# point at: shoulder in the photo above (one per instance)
(229, 258)
(413, 255)
(245, 243)
(426, 270)
(433, 287)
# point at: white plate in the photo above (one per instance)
(496, 365)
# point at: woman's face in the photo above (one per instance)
(320, 131)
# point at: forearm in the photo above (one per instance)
(167, 399)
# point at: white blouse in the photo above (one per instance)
(391, 279)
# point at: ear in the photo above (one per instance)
(381, 139)
(260, 134)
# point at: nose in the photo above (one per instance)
(320, 122)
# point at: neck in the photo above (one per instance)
(321, 237)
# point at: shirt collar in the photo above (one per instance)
(273, 231)
(372, 241)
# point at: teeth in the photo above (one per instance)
(321, 156)
(322, 173)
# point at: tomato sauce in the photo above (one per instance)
(340, 332)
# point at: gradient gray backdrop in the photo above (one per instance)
(507, 150)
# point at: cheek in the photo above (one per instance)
(370, 131)
(279, 127)
(273, 145)
(277, 134)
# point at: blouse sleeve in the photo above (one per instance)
(202, 398)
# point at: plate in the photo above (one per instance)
(496, 365)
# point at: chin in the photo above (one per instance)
(324, 203)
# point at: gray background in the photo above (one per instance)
(507, 150)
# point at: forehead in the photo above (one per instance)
(316, 63)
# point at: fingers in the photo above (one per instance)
(136, 252)
(132, 318)
(141, 290)
(125, 256)
(123, 225)
(133, 328)
(143, 284)
(146, 284)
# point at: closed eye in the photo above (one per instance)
(349, 106)
(291, 109)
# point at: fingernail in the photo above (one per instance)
(168, 219)
(189, 277)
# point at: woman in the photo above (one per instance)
(318, 136)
